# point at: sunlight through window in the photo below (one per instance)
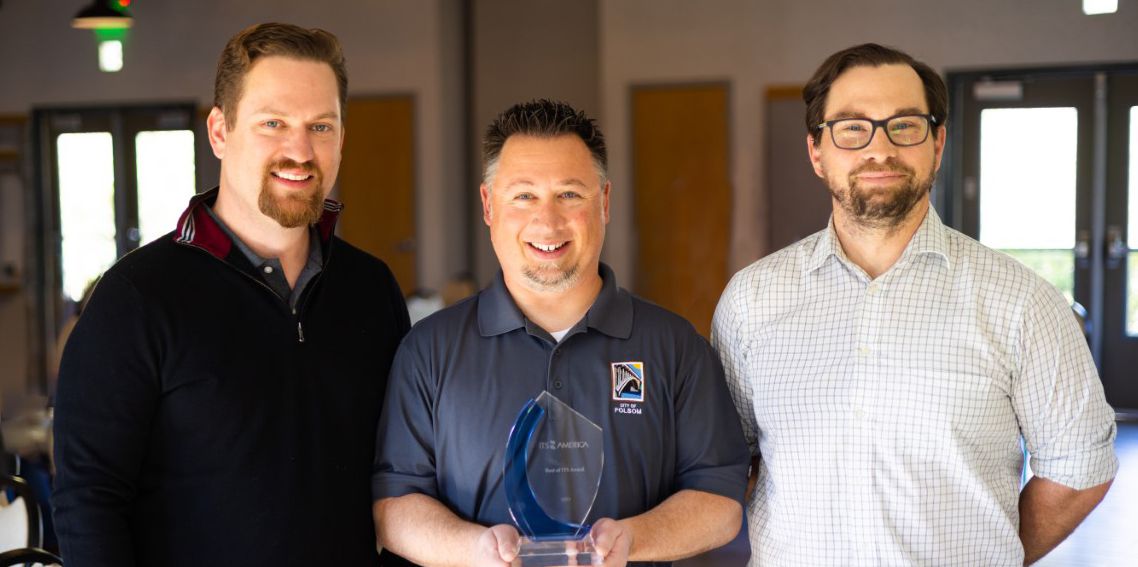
(86, 208)
(1132, 231)
(1027, 163)
(165, 180)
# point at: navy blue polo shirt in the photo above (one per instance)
(462, 375)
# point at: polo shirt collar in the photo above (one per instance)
(197, 227)
(611, 312)
(497, 312)
(315, 259)
(930, 238)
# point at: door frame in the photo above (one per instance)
(47, 306)
(1091, 214)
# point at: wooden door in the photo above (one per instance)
(377, 182)
(682, 197)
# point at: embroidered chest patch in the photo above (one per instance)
(628, 381)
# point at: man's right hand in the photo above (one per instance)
(497, 546)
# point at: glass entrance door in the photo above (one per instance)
(113, 179)
(1043, 177)
(1120, 247)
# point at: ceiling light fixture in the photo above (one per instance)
(1094, 7)
(104, 15)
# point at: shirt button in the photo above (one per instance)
(557, 384)
(268, 269)
(863, 350)
(873, 289)
(859, 413)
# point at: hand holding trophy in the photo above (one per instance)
(554, 458)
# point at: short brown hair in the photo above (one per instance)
(869, 55)
(262, 40)
(543, 119)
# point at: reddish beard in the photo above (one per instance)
(881, 207)
(293, 209)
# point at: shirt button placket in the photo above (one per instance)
(863, 359)
(556, 373)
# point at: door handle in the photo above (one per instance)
(1083, 245)
(1116, 249)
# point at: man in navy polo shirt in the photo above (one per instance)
(675, 462)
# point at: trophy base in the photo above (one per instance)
(556, 553)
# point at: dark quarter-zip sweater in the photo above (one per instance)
(200, 421)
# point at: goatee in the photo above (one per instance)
(550, 278)
(294, 209)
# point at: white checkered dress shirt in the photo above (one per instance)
(888, 413)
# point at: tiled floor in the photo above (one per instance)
(1108, 537)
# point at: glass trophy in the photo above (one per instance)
(552, 473)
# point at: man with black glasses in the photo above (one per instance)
(887, 368)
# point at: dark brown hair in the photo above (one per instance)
(545, 119)
(869, 55)
(262, 40)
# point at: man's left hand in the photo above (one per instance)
(612, 539)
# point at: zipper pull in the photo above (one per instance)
(300, 331)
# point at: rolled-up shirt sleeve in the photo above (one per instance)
(405, 437)
(1067, 425)
(712, 455)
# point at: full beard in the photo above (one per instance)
(295, 209)
(881, 208)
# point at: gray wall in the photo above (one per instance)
(522, 50)
(394, 46)
(13, 305)
(755, 44)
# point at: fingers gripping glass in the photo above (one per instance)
(857, 133)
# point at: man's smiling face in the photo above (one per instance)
(547, 210)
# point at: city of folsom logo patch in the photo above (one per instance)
(628, 381)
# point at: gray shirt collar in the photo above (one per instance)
(610, 314)
(276, 279)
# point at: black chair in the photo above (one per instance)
(20, 488)
(28, 556)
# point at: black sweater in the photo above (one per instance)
(199, 421)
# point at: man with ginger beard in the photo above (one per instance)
(218, 398)
(887, 368)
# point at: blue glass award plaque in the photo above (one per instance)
(552, 473)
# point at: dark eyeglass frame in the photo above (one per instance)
(929, 118)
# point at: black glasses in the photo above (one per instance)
(902, 130)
